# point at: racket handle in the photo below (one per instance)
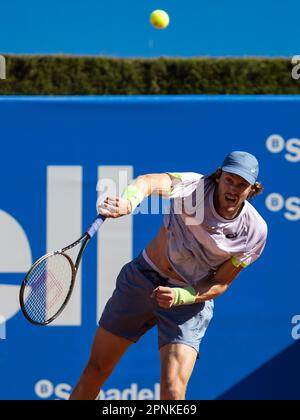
(96, 225)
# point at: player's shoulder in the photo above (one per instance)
(185, 176)
(256, 224)
(183, 183)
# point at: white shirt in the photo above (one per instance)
(195, 250)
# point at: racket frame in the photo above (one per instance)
(91, 232)
(74, 268)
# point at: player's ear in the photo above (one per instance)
(252, 192)
(218, 175)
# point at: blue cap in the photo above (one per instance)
(243, 164)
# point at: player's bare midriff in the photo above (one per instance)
(156, 251)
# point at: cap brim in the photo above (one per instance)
(236, 171)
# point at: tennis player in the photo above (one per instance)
(173, 282)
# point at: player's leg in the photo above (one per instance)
(177, 364)
(106, 352)
(127, 316)
(180, 332)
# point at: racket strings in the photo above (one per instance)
(47, 288)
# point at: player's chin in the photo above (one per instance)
(232, 209)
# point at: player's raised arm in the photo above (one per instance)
(134, 194)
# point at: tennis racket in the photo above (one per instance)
(48, 285)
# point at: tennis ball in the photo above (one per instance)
(160, 19)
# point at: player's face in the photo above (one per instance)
(233, 190)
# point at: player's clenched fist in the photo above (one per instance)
(165, 296)
(114, 207)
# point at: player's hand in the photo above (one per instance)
(113, 207)
(164, 296)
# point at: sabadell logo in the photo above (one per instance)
(45, 389)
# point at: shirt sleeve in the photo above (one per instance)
(183, 183)
(254, 252)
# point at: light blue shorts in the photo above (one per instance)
(131, 311)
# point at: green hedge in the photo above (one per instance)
(64, 75)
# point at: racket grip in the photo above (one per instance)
(96, 225)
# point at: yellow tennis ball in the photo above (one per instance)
(160, 19)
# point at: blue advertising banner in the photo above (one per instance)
(53, 153)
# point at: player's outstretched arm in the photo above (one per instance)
(134, 194)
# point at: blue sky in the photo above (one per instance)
(121, 27)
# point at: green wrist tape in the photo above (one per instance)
(238, 264)
(184, 296)
(134, 195)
